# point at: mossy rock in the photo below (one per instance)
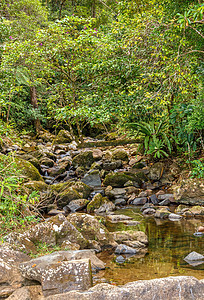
(83, 159)
(139, 165)
(120, 154)
(33, 160)
(67, 196)
(79, 186)
(63, 137)
(28, 170)
(119, 179)
(36, 186)
(96, 202)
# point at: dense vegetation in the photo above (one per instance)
(92, 64)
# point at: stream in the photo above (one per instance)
(169, 243)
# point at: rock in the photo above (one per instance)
(34, 161)
(149, 211)
(162, 213)
(139, 201)
(97, 154)
(170, 288)
(139, 165)
(36, 186)
(10, 277)
(73, 146)
(120, 154)
(169, 197)
(69, 191)
(174, 217)
(92, 230)
(120, 201)
(27, 170)
(84, 159)
(197, 210)
(63, 137)
(115, 193)
(21, 294)
(201, 229)
(194, 256)
(119, 179)
(112, 165)
(130, 235)
(156, 171)
(165, 202)
(54, 212)
(190, 191)
(120, 259)
(92, 178)
(147, 205)
(153, 199)
(135, 244)
(131, 223)
(58, 276)
(47, 162)
(117, 218)
(100, 204)
(76, 205)
(124, 249)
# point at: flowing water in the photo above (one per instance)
(169, 243)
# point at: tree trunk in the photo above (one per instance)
(94, 9)
(34, 103)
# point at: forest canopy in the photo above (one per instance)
(132, 65)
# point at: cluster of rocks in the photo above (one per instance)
(79, 236)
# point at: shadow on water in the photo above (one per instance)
(169, 243)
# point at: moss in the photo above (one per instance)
(95, 203)
(68, 195)
(27, 169)
(79, 186)
(83, 159)
(120, 154)
(139, 165)
(63, 137)
(36, 186)
(116, 180)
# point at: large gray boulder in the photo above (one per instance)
(57, 276)
(170, 288)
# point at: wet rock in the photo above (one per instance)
(156, 171)
(58, 276)
(147, 205)
(135, 244)
(170, 288)
(63, 137)
(124, 249)
(117, 218)
(174, 217)
(76, 205)
(149, 211)
(120, 154)
(131, 223)
(162, 213)
(130, 235)
(139, 201)
(94, 231)
(194, 256)
(115, 193)
(190, 191)
(84, 159)
(92, 178)
(120, 259)
(139, 165)
(54, 212)
(197, 210)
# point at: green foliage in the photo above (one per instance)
(156, 141)
(44, 249)
(15, 207)
(197, 168)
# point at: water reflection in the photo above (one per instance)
(169, 243)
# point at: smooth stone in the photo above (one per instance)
(194, 256)
(153, 199)
(124, 249)
(120, 259)
(117, 218)
(174, 217)
(139, 201)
